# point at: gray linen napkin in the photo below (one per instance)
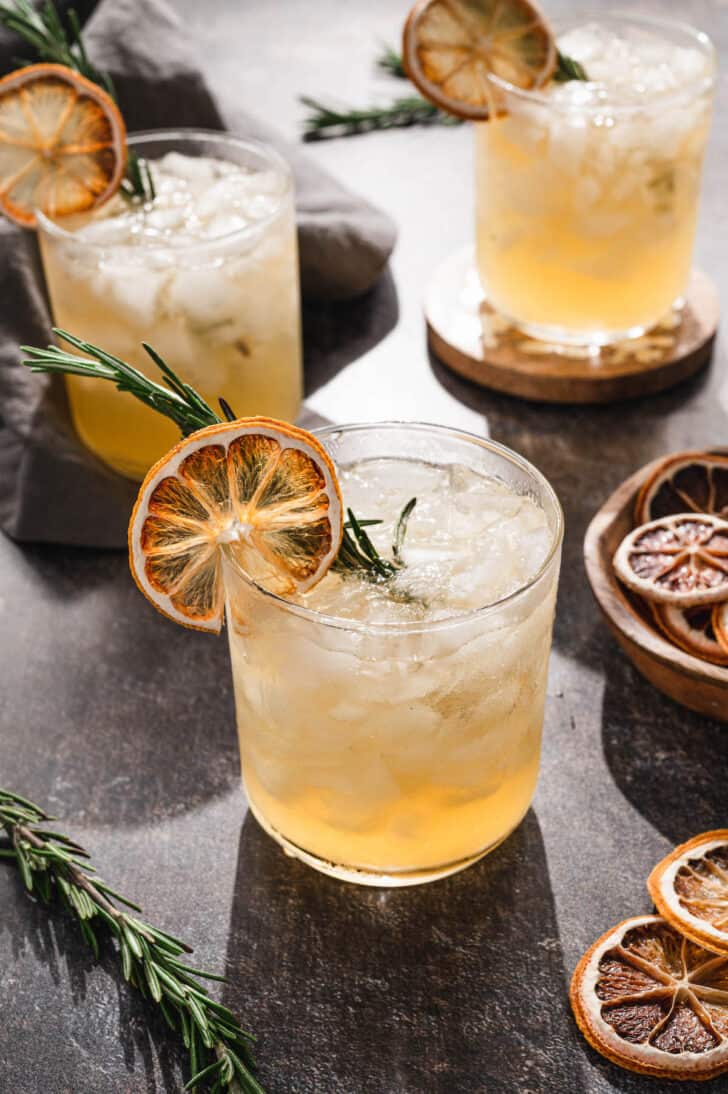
(51, 488)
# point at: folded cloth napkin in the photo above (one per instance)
(51, 488)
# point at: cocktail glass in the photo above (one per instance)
(586, 208)
(396, 753)
(225, 310)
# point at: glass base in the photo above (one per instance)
(590, 339)
(381, 879)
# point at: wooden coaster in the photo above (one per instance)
(472, 339)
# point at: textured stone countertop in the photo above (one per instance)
(123, 723)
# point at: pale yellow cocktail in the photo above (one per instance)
(587, 193)
(208, 273)
(390, 734)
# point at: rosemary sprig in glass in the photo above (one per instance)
(44, 30)
(358, 555)
(55, 867)
(180, 402)
(343, 121)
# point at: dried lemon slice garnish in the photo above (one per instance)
(263, 490)
(451, 48)
(62, 143)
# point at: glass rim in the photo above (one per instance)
(147, 136)
(698, 86)
(424, 626)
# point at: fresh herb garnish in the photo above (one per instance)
(358, 555)
(190, 412)
(44, 30)
(345, 121)
(568, 69)
(54, 867)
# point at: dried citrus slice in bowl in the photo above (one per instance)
(720, 626)
(690, 889)
(263, 490)
(683, 483)
(680, 560)
(62, 143)
(693, 630)
(450, 48)
(653, 1002)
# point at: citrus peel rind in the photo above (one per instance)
(690, 890)
(653, 1002)
(685, 482)
(62, 143)
(450, 48)
(694, 630)
(262, 490)
(720, 626)
(680, 560)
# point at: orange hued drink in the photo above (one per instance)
(390, 733)
(207, 272)
(587, 192)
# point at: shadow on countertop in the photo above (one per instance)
(669, 763)
(425, 988)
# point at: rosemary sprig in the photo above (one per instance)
(177, 400)
(358, 555)
(390, 60)
(344, 121)
(44, 30)
(190, 412)
(53, 866)
(568, 69)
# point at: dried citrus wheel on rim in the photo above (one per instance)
(652, 1001)
(450, 48)
(680, 560)
(690, 889)
(62, 143)
(263, 490)
(687, 482)
(693, 630)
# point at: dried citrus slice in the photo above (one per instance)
(690, 889)
(693, 630)
(652, 1001)
(263, 490)
(680, 560)
(720, 626)
(62, 143)
(689, 482)
(450, 48)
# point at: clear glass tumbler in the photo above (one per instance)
(224, 311)
(586, 206)
(395, 753)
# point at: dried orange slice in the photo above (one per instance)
(450, 48)
(688, 482)
(262, 490)
(652, 1001)
(690, 889)
(693, 630)
(680, 560)
(62, 143)
(720, 626)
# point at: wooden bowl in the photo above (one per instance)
(688, 680)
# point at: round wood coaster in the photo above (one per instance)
(474, 340)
